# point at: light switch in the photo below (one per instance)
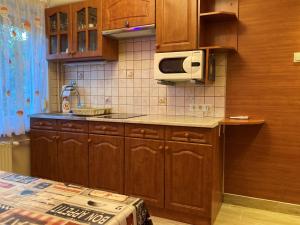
(297, 57)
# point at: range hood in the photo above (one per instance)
(132, 32)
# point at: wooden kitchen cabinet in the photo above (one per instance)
(127, 13)
(176, 25)
(59, 32)
(144, 170)
(74, 33)
(44, 154)
(188, 168)
(73, 158)
(106, 163)
(177, 170)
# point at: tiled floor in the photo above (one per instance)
(237, 215)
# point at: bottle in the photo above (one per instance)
(66, 107)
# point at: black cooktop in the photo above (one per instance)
(121, 116)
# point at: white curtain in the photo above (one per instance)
(23, 65)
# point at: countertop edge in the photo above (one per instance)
(198, 124)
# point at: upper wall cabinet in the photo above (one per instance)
(75, 33)
(176, 25)
(59, 32)
(127, 13)
(183, 25)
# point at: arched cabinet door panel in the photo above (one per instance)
(73, 158)
(188, 167)
(144, 170)
(127, 13)
(106, 163)
(44, 154)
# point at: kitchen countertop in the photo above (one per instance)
(188, 121)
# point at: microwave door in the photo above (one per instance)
(174, 68)
(187, 66)
(198, 65)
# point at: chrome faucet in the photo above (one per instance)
(73, 88)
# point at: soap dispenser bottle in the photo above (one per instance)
(66, 106)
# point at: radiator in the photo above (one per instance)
(6, 156)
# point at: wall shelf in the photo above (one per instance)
(218, 21)
(218, 16)
(235, 122)
(219, 49)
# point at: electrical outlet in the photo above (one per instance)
(80, 75)
(205, 108)
(192, 108)
(130, 74)
(162, 101)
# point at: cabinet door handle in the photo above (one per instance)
(167, 148)
(89, 140)
(70, 125)
(41, 123)
(103, 128)
(161, 147)
(142, 131)
(57, 137)
(126, 24)
(186, 135)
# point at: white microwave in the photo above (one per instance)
(179, 66)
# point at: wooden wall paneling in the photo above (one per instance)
(263, 82)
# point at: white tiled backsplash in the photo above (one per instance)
(128, 85)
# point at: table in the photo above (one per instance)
(27, 200)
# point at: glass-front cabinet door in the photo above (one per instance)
(59, 32)
(87, 37)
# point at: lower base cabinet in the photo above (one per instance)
(144, 170)
(188, 177)
(178, 171)
(73, 158)
(44, 154)
(106, 163)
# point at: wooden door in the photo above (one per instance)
(73, 158)
(127, 13)
(176, 25)
(188, 178)
(87, 32)
(106, 163)
(144, 170)
(59, 32)
(44, 154)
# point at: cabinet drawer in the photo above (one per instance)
(144, 131)
(189, 134)
(43, 124)
(115, 129)
(73, 126)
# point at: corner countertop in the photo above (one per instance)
(188, 121)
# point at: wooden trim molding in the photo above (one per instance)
(264, 204)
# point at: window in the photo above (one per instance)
(23, 65)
